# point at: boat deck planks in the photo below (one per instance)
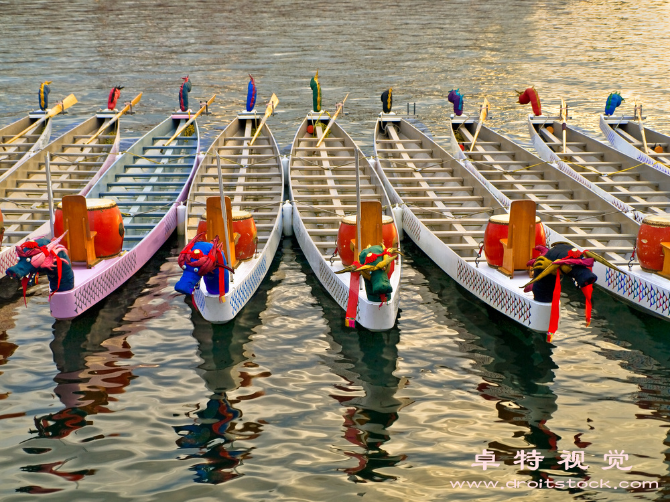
(24, 189)
(252, 185)
(559, 206)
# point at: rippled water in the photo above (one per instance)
(140, 398)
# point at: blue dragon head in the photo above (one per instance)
(202, 259)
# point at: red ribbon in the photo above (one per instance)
(555, 307)
(588, 290)
(352, 304)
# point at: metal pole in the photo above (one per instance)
(359, 244)
(50, 193)
(224, 213)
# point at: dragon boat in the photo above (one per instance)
(632, 137)
(343, 221)
(243, 169)
(27, 136)
(77, 159)
(445, 209)
(629, 186)
(102, 239)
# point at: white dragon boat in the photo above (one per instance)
(252, 179)
(445, 209)
(632, 187)
(630, 136)
(147, 184)
(325, 196)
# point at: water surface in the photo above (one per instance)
(140, 397)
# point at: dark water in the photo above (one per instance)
(140, 398)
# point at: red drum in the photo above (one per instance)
(347, 233)
(498, 228)
(202, 224)
(245, 227)
(104, 217)
(654, 230)
(245, 244)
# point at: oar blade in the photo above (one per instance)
(189, 121)
(274, 101)
(482, 117)
(332, 121)
(59, 108)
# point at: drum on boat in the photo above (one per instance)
(104, 218)
(347, 233)
(498, 228)
(243, 225)
(654, 230)
(202, 224)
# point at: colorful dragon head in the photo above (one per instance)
(203, 259)
(43, 256)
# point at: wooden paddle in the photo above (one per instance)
(638, 116)
(274, 101)
(482, 117)
(67, 103)
(189, 121)
(564, 118)
(332, 120)
(115, 118)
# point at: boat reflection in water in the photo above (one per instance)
(91, 354)
(88, 350)
(217, 427)
(515, 366)
(366, 361)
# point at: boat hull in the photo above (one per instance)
(241, 291)
(250, 272)
(627, 149)
(647, 292)
(94, 284)
(369, 315)
(372, 316)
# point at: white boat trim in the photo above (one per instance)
(488, 284)
(646, 291)
(370, 315)
(249, 274)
